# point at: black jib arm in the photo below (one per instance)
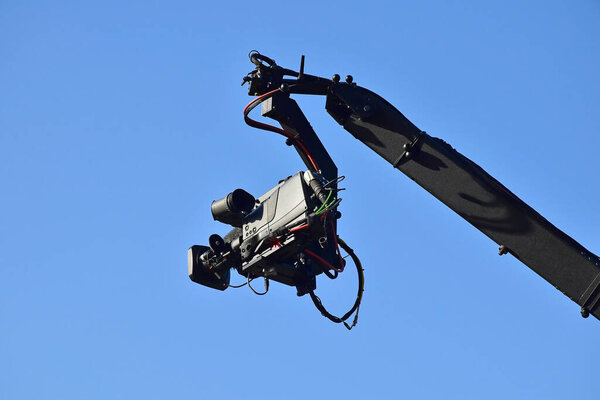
(448, 175)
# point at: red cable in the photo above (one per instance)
(322, 261)
(272, 128)
(300, 227)
(275, 242)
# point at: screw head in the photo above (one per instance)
(585, 312)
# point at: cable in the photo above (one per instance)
(299, 227)
(326, 264)
(258, 293)
(334, 202)
(337, 247)
(324, 203)
(322, 260)
(237, 286)
(361, 285)
(334, 181)
(329, 274)
(335, 240)
(255, 124)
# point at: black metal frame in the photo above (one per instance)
(448, 175)
(286, 111)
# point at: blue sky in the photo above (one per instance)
(120, 123)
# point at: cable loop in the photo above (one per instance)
(334, 182)
(256, 58)
(356, 307)
(254, 290)
(255, 124)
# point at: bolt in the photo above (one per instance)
(585, 312)
(502, 250)
(336, 78)
(349, 78)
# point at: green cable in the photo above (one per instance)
(324, 203)
(327, 207)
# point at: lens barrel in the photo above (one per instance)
(232, 208)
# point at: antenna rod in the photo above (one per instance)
(301, 73)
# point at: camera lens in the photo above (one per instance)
(232, 208)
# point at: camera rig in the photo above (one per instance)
(272, 235)
(289, 234)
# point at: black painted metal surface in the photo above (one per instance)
(471, 192)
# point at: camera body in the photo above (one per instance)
(270, 236)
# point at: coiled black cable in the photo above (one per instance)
(361, 285)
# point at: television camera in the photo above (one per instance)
(286, 235)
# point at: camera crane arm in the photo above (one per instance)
(448, 175)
